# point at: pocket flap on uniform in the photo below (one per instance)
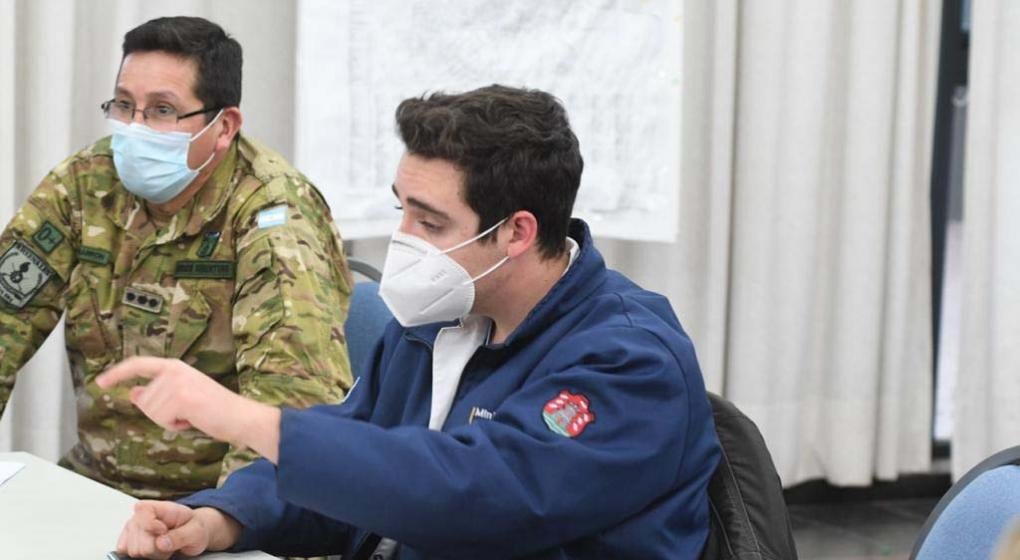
(189, 319)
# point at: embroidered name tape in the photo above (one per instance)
(93, 255)
(204, 269)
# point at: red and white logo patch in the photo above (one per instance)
(568, 414)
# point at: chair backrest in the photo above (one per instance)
(363, 268)
(749, 518)
(367, 317)
(1010, 456)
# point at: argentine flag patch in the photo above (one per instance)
(272, 217)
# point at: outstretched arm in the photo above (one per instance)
(178, 397)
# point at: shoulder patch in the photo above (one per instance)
(568, 414)
(22, 274)
(271, 217)
(48, 237)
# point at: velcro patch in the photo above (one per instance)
(140, 299)
(48, 237)
(22, 274)
(93, 255)
(204, 269)
(271, 217)
(209, 241)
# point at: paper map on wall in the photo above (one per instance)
(615, 64)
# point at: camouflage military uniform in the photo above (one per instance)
(247, 283)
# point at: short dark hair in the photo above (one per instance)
(218, 56)
(515, 147)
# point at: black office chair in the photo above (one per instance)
(1010, 456)
(749, 519)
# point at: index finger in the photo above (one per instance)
(146, 367)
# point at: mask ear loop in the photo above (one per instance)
(201, 132)
(493, 267)
(212, 122)
(475, 238)
(486, 273)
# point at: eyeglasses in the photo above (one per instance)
(162, 117)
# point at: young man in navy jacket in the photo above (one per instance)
(527, 402)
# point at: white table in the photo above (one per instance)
(50, 512)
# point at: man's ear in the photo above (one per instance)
(523, 226)
(232, 120)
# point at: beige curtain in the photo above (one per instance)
(987, 416)
(802, 268)
(58, 61)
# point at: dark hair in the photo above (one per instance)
(514, 146)
(218, 56)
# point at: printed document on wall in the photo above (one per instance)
(616, 65)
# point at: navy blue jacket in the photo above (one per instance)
(616, 467)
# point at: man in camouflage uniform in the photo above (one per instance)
(240, 273)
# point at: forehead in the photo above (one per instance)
(437, 181)
(144, 74)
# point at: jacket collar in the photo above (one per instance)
(583, 277)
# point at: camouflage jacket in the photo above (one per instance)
(247, 283)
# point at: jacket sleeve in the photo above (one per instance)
(291, 300)
(512, 483)
(37, 257)
(250, 496)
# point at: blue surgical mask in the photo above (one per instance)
(154, 164)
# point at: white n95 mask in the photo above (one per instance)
(154, 164)
(422, 284)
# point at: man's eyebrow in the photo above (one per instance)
(422, 205)
(162, 94)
